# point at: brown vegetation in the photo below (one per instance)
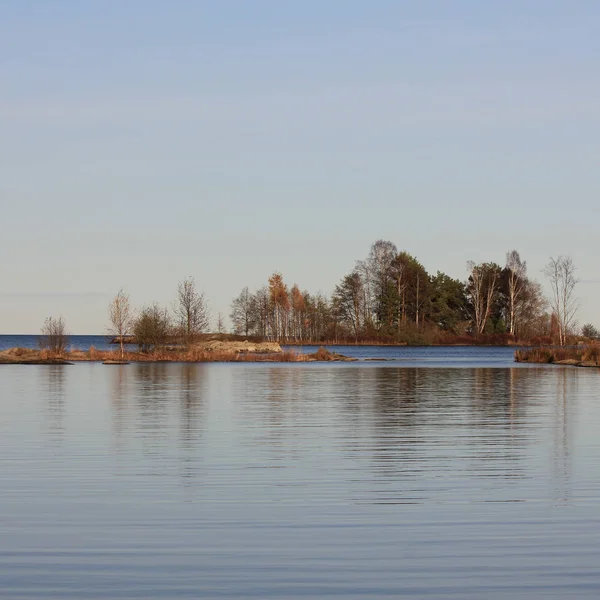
(585, 356)
(54, 336)
(163, 354)
(25, 356)
(324, 355)
(194, 354)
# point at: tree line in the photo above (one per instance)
(390, 297)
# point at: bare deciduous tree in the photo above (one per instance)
(54, 335)
(121, 318)
(516, 281)
(380, 260)
(531, 315)
(561, 275)
(243, 313)
(191, 311)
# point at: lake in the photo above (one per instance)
(443, 473)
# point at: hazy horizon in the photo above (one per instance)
(145, 143)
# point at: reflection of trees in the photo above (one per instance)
(275, 396)
(415, 421)
(119, 397)
(427, 423)
(191, 385)
(566, 392)
(499, 404)
(392, 434)
(191, 407)
(283, 391)
(394, 397)
(151, 398)
(55, 393)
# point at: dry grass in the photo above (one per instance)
(549, 354)
(170, 354)
(181, 355)
(591, 354)
(323, 354)
(30, 356)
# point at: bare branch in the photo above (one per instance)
(121, 318)
(561, 275)
(191, 311)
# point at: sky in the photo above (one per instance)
(142, 143)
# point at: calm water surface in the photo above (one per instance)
(361, 480)
(415, 356)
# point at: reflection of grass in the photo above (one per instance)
(582, 354)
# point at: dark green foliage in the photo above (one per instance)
(389, 297)
(449, 306)
(347, 303)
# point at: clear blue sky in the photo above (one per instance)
(144, 142)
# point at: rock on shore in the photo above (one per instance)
(244, 347)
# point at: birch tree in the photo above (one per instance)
(561, 276)
(400, 274)
(298, 306)
(279, 297)
(379, 262)
(121, 318)
(516, 281)
(482, 288)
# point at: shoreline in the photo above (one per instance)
(24, 356)
(586, 356)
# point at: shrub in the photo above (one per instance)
(548, 355)
(592, 354)
(54, 336)
(152, 328)
(589, 331)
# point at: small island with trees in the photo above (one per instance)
(388, 298)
